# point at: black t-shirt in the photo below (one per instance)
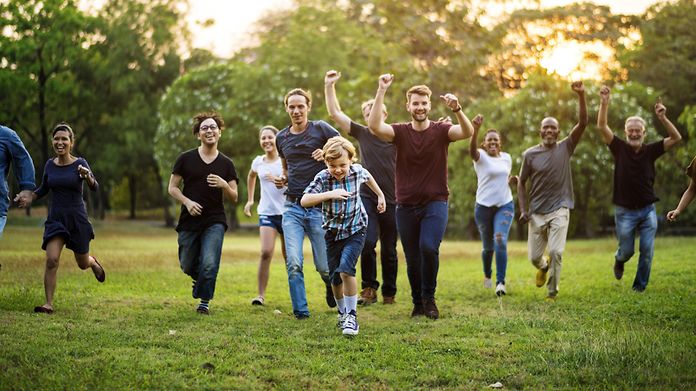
(297, 150)
(634, 173)
(194, 171)
(379, 158)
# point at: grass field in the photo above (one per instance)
(139, 329)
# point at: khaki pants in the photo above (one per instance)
(548, 230)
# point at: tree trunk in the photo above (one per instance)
(165, 200)
(132, 189)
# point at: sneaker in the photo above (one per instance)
(541, 276)
(550, 298)
(350, 325)
(258, 300)
(618, 269)
(500, 289)
(487, 283)
(431, 310)
(367, 296)
(341, 319)
(301, 316)
(638, 289)
(418, 310)
(203, 311)
(388, 300)
(330, 299)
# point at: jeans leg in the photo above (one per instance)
(408, 223)
(211, 250)
(189, 252)
(352, 246)
(368, 257)
(558, 231)
(387, 244)
(293, 230)
(333, 252)
(313, 226)
(433, 225)
(3, 221)
(647, 229)
(483, 216)
(501, 228)
(626, 222)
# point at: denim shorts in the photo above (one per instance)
(273, 221)
(343, 254)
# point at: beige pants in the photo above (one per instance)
(548, 230)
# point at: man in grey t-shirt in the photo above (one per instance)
(547, 166)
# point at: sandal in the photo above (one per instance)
(258, 300)
(101, 277)
(43, 310)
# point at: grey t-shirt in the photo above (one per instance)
(549, 172)
(379, 158)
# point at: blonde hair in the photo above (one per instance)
(418, 90)
(300, 92)
(334, 148)
(371, 102)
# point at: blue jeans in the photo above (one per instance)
(421, 228)
(494, 226)
(3, 221)
(343, 254)
(199, 257)
(298, 221)
(380, 226)
(628, 221)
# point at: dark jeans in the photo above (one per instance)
(644, 222)
(494, 226)
(382, 226)
(199, 257)
(342, 254)
(421, 228)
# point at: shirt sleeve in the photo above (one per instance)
(317, 184)
(83, 161)
(179, 165)
(279, 143)
(43, 189)
(656, 149)
(255, 164)
(356, 130)
(23, 165)
(364, 175)
(231, 173)
(524, 169)
(329, 131)
(615, 145)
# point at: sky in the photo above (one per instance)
(234, 19)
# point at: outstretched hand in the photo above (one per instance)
(604, 94)
(578, 87)
(451, 101)
(660, 109)
(477, 121)
(24, 198)
(672, 215)
(83, 171)
(332, 77)
(385, 80)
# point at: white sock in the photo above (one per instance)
(351, 303)
(341, 305)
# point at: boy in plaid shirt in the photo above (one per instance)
(337, 188)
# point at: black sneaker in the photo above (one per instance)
(301, 316)
(330, 299)
(203, 311)
(418, 310)
(618, 269)
(431, 310)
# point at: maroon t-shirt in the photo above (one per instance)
(421, 163)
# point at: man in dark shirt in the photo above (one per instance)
(379, 158)
(421, 184)
(300, 149)
(207, 175)
(634, 177)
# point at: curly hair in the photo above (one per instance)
(200, 117)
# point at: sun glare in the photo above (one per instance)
(578, 61)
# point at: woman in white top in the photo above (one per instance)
(267, 167)
(494, 209)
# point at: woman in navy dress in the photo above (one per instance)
(67, 224)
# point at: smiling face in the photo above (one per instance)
(209, 132)
(338, 168)
(491, 143)
(62, 142)
(635, 132)
(297, 108)
(267, 140)
(419, 107)
(549, 131)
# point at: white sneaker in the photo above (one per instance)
(341, 319)
(500, 289)
(487, 283)
(350, 325)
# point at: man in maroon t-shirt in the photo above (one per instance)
(421, 184)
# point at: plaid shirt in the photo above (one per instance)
(346, 217)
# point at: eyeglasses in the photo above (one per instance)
(206, 127)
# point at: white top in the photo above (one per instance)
(272, 198)
(493, 173)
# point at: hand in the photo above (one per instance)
(318, 155)
(672, 215)
(269, 177)
(339, 194)
(385, 80)
(83, 171)
(381, 205)
(578, 87)
(194, 208)
(451, 101)
(280, 181)
(477, 121)
(332, 77)
(524, 219)
(660, 109)
(216, 181)
(24, 198)
(247, 208)
(512, 181)
(604, 93)
(445, 119)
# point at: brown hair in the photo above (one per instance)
(418, 90)
(371, 102)
(301, 92)
(200, 117)
(65, 127)
(333, 149)
(268, 127)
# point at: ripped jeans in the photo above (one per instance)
(494, 226)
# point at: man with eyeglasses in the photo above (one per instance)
(207, 175)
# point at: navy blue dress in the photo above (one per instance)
(68, 215)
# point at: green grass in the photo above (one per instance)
(140, 330)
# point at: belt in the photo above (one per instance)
(293, 199)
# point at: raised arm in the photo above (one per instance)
(251, 188)
(376, 123)
(604, 130)
(464, 128)
(579, 128)
(473, 148)
(332, 106)
(673, 135)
